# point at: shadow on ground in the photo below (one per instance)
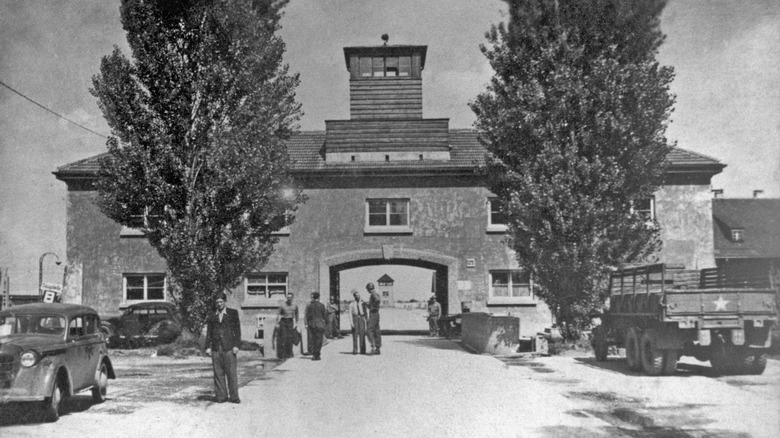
(436, 343)
(618, 365)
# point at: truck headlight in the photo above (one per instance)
(29, 358)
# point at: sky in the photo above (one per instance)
(726, 54)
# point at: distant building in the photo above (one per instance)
(747, 237)
(385, 290)
(386, 187)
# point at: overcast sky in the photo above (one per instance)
(726, 54)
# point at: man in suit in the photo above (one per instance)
(223, 335)
(316, 318)
(357, 312)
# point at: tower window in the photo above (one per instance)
(380, 66)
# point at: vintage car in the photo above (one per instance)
(154, 322)
(49, 352)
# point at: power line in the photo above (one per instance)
(56, 114)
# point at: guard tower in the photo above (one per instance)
(385, 284)
(385, 101)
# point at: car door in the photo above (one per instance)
(94, 344)
(76, 353)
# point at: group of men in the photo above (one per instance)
(364, 321)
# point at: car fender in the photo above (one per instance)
(109, 365)
(38, 380)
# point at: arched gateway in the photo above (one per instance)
(445, 267)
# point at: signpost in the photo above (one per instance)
(52, 292)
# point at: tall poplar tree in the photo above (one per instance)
(199, 117)
(574, 120)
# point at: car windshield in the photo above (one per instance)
(15, 324)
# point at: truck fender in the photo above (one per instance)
(667, 338)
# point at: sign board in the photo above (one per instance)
(49, 297)
(54, 287)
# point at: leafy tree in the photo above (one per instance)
(574, 119)
(199, 117)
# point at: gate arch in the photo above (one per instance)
(446, 268)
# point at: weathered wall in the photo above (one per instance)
(100, 256)
(448, 221)
(685, 215)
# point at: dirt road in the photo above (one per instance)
(421, 387)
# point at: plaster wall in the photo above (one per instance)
(685, 215)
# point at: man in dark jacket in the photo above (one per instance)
(223, 335)
(315, 320)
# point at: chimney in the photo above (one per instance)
(717, 193)
(758, 193)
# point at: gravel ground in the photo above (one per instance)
(420, 387)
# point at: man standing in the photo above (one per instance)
(223, 335)
(315, 319)
(357, 312)
(374, 332)
(287, 322)
(434, 312)
(332, 330)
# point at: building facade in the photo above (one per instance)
(386, 187)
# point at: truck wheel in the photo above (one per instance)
(755, 363)
(670, 362)
(600, 346)
(721, 358)
(652, 358)
(632, 350)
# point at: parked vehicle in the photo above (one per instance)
(143, 324)
(49, 352)
(659, 314)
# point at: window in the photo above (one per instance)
(387, 215)
(496, 218)
(268, 285)
(144, 287)
(510, 287)
(389, 66)
(645, 208)
(140, 222)
(737, 234)
(76, 327)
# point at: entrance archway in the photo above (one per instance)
(445, 270)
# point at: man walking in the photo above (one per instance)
(434, 312)
(315, 319)
(374, 332)
(223, 335)
(357, 312)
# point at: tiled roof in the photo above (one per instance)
(758, 218)
(307, 151)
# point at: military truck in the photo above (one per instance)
(659, 313)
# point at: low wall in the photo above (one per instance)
(484, 333)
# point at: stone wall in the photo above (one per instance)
(685, 215)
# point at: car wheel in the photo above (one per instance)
(101, 388)
(652, 357)
(632, 350)
(51, 405)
